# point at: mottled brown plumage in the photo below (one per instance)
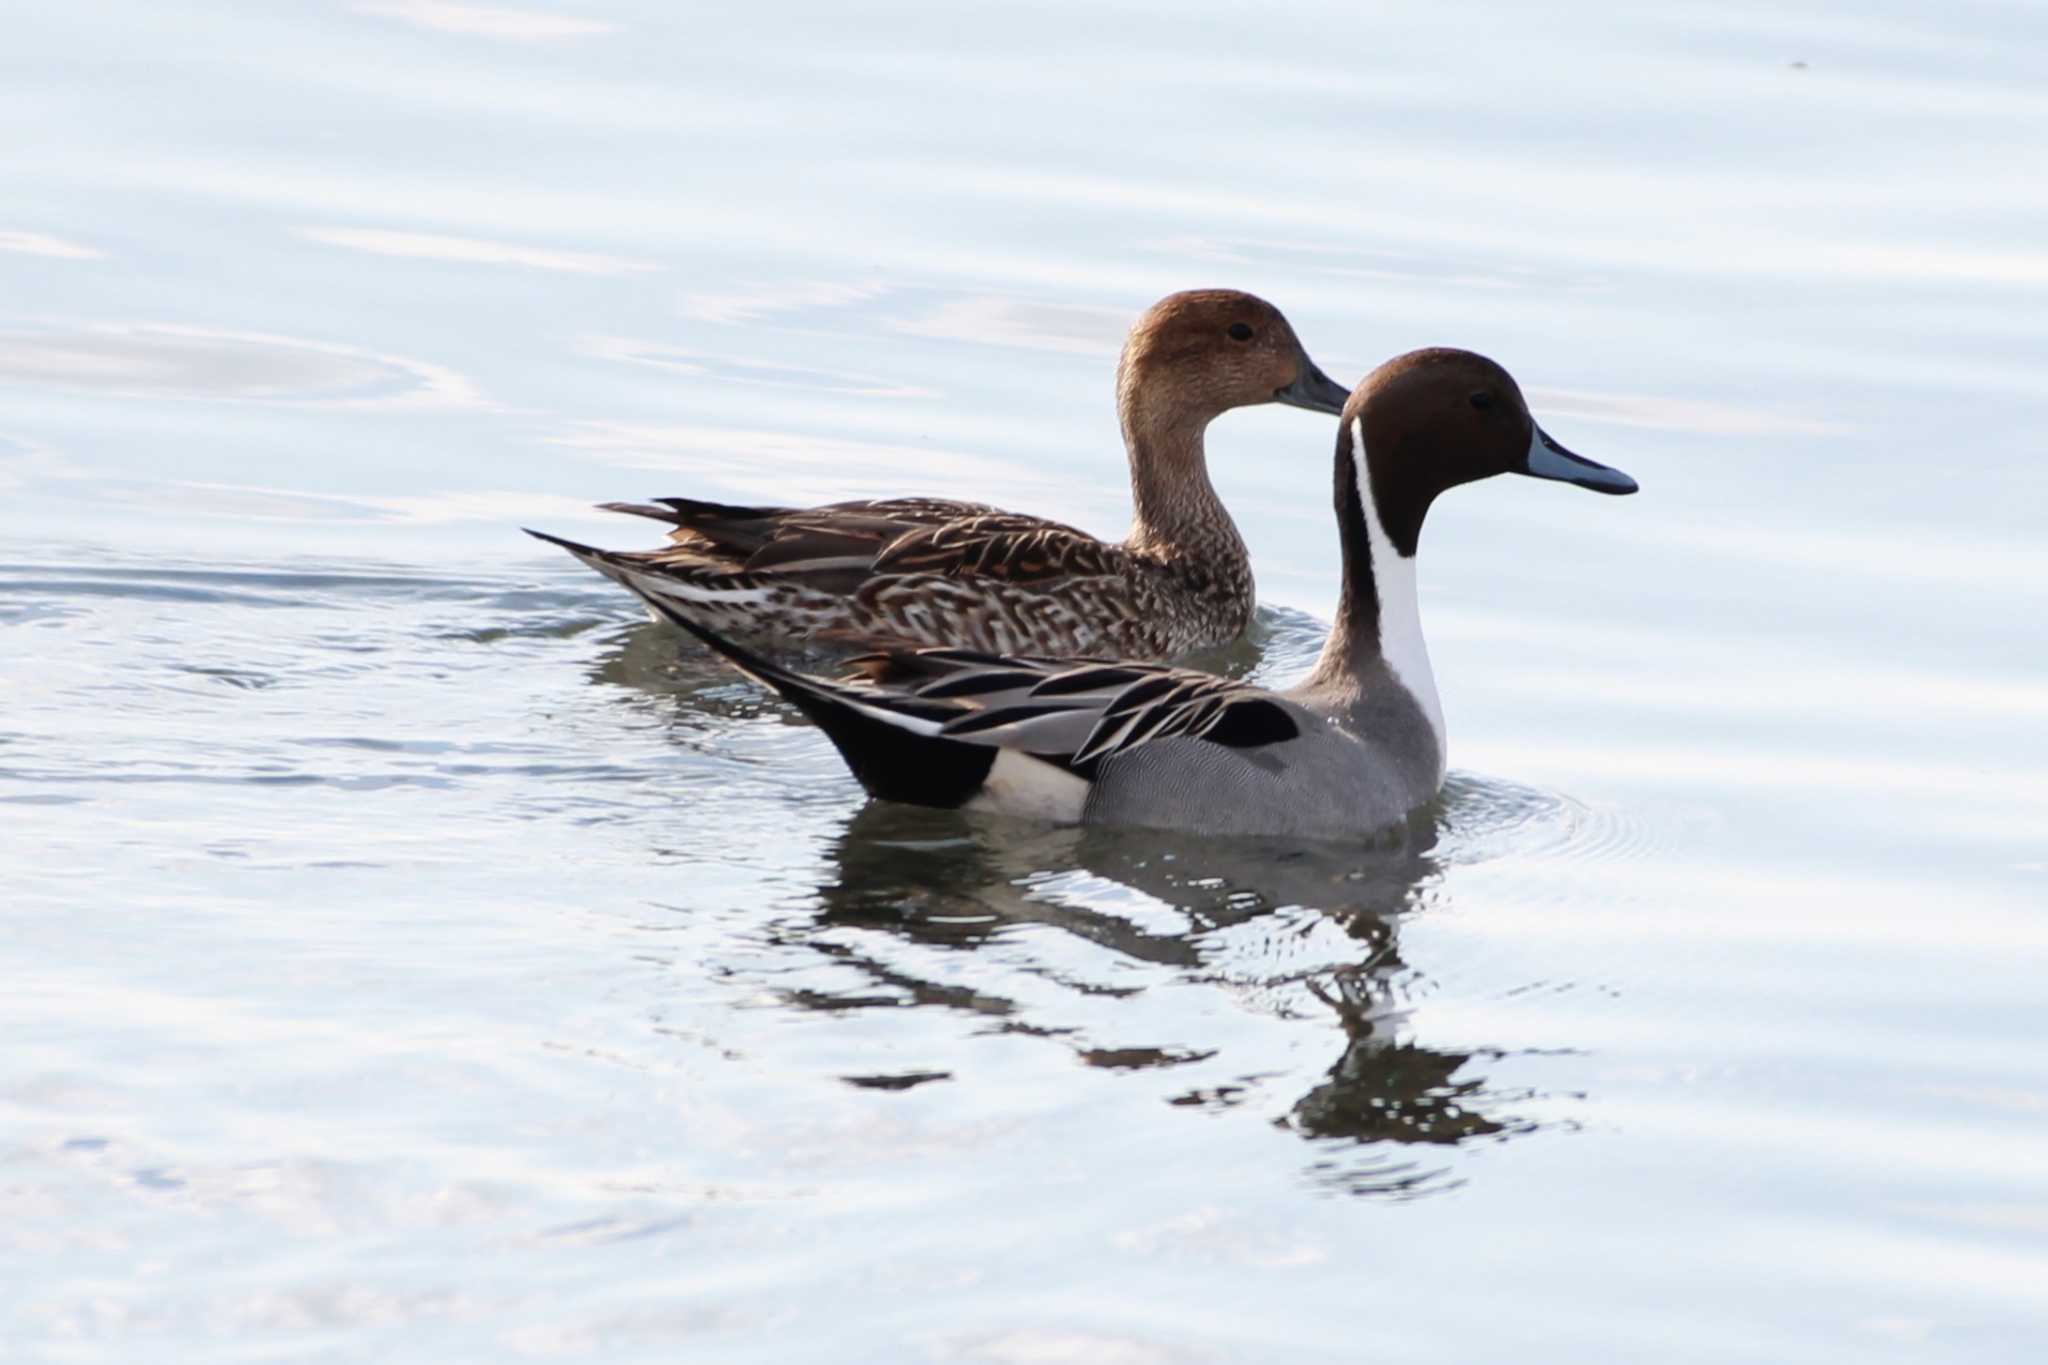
(928, 571)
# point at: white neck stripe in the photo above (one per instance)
(1400, 613)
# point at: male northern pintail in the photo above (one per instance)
(1356, 746)
(926, 571)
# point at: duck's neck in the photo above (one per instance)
(1175, 512)
(1379, 618)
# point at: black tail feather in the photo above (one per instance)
(893, 763)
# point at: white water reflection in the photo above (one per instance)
(763, 462)
(426, 246)
(1030, 325)
(1666, 413)
(759, 302)
(169, 360)
(726, 369)
(486, 21)
(43, 244)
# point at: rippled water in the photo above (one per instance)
(413, 955)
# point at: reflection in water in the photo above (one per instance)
(1297, 932)
(957, 881)
(648, 658)
(160, 360)
(654, 661)
(723, 369)
(1384, 1090)
(435, 246)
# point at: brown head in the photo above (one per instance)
(1419, 424)
(1431, 420)
(1195, 355)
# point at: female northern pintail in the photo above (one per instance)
(925, 571)
(1356, 746)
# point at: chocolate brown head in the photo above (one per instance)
(1195, 355)
(1431, 420)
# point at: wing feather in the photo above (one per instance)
(1093, 678)
(843, 546)
(1077, 716)
(898, 570)
(1001, 545)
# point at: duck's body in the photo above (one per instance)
(930, 572)
(1356, 764)
(934, 572)
(1357, 746)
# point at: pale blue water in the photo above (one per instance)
(411, 957)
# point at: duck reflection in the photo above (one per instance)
(1295, 930)
(645, 658)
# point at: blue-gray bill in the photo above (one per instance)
(1549, 460)
(1314, 390)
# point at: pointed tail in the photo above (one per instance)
(604, 561)
(687, 512)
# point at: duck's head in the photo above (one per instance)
(1431, 420)
(1195, 355)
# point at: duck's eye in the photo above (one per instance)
(1482, 401)
(1240, 331)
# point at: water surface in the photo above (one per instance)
(415, 956)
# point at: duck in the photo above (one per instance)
(934, 572)
(1357, 746)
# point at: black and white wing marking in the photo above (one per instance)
(1078, 715)
(929, 726)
